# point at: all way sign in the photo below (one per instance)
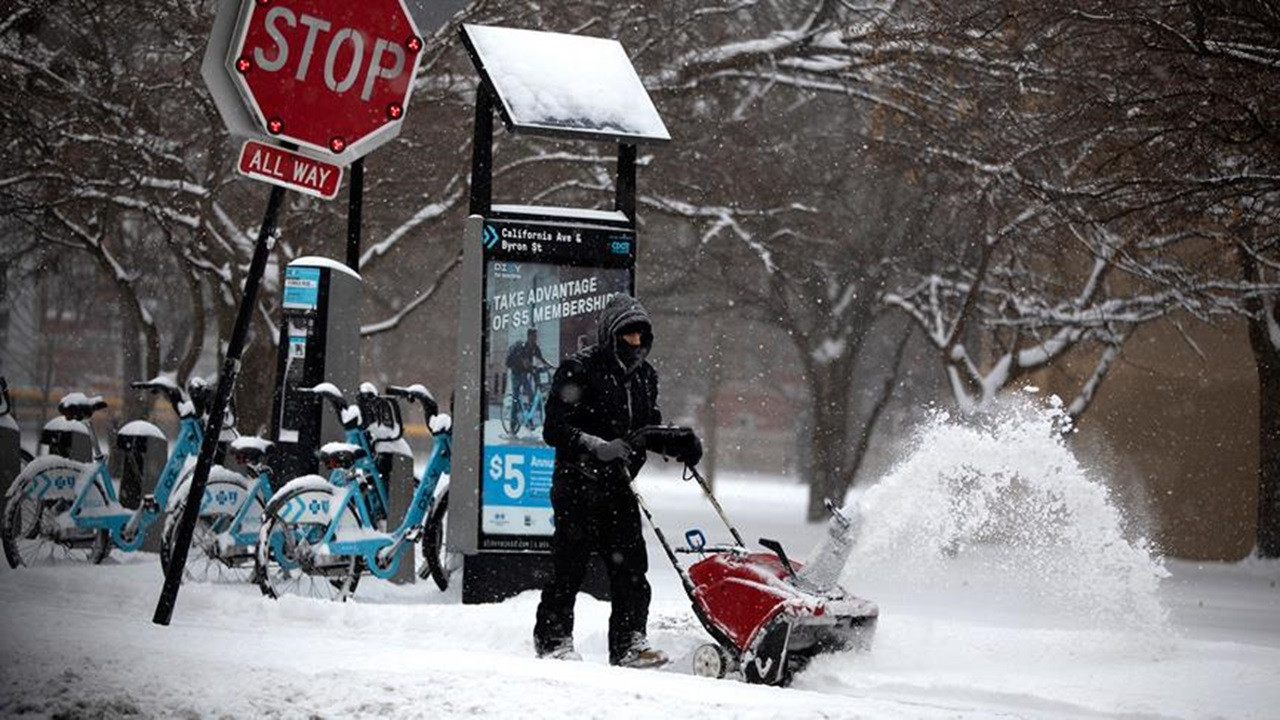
(289, 169)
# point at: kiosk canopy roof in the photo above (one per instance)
(568, 85)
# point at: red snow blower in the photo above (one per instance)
(767, 616)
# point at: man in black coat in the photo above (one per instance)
(599, 396)
(523, 359)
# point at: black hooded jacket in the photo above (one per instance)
(595, 393)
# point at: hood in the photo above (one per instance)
(621, 311)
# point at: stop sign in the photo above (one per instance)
(332, 77)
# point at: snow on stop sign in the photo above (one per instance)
(333, 77)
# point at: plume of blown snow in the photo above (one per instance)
(1004, 496)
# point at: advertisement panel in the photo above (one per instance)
(545, 285)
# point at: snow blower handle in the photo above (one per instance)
(670, 441)
(691, 472)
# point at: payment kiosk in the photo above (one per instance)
(319, 342)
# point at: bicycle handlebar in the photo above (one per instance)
(171, 392)
(417, 393)
(330, 392)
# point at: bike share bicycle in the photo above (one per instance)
(224, 542)
(58, 507)
(323, 533)
(521, 411)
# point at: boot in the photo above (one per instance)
(639, 654)
(562, 650)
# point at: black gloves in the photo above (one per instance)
(606, 450)
(675, 442)
(691, 453)
(678, 442)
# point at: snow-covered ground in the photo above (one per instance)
(994, 625)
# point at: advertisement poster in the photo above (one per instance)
(536, 314)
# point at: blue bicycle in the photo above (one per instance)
(59, 508)
(525, 410)
(322, 533)
(224, 542)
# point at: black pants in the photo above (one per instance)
(601, 516)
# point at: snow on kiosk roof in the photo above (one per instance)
(564, 85)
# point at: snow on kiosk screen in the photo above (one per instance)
(536, 315)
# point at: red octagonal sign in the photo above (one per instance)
(333, 77)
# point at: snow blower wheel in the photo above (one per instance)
(712, 661)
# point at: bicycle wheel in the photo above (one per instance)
(539, 415)
(279, 564)
(204, 564)
(442, 562)
(30, 534)
(511, 412)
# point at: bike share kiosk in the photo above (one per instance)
(532, 268)
(319, 342)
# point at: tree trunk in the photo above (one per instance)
(829, 388)
(196, 326)
(715, 380)
(255, 385)
(1266, 355)
(1267, 358)
(134, 405)
(887, 386)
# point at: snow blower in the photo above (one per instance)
(769, 615)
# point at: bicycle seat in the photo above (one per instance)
(78, 406)
(250, 450)
(341, 455)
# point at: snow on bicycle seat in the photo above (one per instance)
(340, 454)
(78, 406)
(250, 449)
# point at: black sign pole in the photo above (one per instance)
(625, 191)
(355, 204)
(213, 427)
(482, 153)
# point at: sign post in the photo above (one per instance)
(331, 80)
(221, 398)
(533, 274)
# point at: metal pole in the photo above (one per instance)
(482, 153)
(625, 191)
(355, 204)
(221, 398)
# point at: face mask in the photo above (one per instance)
(631, 357)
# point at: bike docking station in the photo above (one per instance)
(142, 450)
(64, 436)
(10, 441)
(533, 268)
(319, 342)
(301, 120)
